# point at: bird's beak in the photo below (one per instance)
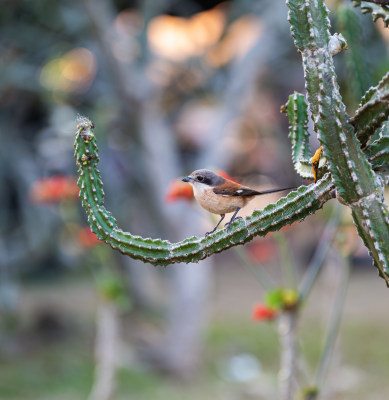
(187, 179)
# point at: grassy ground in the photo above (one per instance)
(42, 368)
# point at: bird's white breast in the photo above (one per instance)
(216, 203)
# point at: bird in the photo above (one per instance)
(220, 196)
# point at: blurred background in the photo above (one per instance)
(171, 86)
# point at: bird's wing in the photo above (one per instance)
(246, 191)
(242, 191)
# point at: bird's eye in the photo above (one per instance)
(200, 178)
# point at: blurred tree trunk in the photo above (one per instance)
(181, 349)
(106, 351)
(154, 156)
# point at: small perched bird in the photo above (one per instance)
(221, 196)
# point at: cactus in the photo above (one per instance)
(357, 185)
(296, 110)
(377, 11)
(373, 110)
(294, 207)
(354, 163)
(347, 21)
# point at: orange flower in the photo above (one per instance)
(179, 190)
(54, 189)
(262, 312)
(87, 238)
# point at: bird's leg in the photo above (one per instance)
(234, 218)
(214, 229)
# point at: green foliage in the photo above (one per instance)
(281, 299)
(112, 289)
(309, 393)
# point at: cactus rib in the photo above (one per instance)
(373, 111)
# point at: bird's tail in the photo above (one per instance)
(257, 193)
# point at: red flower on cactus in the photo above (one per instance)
(262, 312)
(87, 238)
(54, 189)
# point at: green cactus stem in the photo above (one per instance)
(347, 21)
(373, 111)
(294, 207)
(328, 112)
(356, 183)
(378, 152)
(296, 110)
(377, 11)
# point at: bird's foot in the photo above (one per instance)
(228, 224)
(210, 232)
(233, 220)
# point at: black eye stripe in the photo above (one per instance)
(204, 180)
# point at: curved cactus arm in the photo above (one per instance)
(296, 110)
(304, 168)
(379, 133)
(294, 207)
(376, 92)
(350, 170)
(377, 11)
(372, 221)
(373, 110)
(384, 131)
(354, 179)
(378, 152)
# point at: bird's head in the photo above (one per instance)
(204, 177)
